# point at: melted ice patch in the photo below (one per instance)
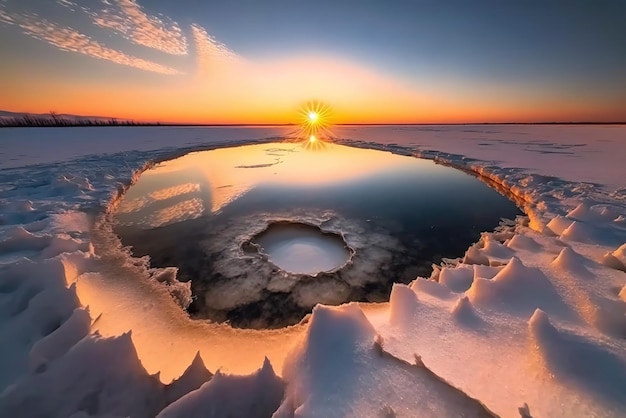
(303, 249)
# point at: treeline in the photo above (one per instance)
(54, 120)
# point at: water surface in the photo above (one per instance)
(398, 214)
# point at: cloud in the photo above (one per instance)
(67, 3)
(210, 53)
(127, 18)
(5, 18)
(68, 39)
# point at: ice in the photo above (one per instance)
(495, 250)
(482, 344)
(258, 394)
(403, 304)
(473, 255)
(195, 376)
(323, 290)
(432, 288)
(303, 249)
(97, 375)
(54, 345)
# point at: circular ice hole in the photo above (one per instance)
(302, 248)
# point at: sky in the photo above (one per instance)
(252, 61)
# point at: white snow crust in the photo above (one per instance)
(531, 321)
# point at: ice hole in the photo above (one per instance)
(301, 248)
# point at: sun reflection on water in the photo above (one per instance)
(314, 126)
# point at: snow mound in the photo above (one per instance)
(523, 242)
(339, 369)
(583, 212)
(464, 313)
(193, 377)
(430, 287)
(457, 279)
(474, 255)
(620, 253)
(577, 362)
(516, 288)
(570, 261)
(61, 340)
(578, 231)
(496, 251)
(255, 395)
(403, 305)
(486, 272)
(97, 376)
(34, 303)
(616, 259)
(559, 224)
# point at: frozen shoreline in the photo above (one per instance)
(557, 264)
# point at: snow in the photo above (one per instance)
(371, 382)
(257, 394)
(532, 320)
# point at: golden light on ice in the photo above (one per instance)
(312, 139)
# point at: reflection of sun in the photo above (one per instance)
(315, 121)
(313, 126)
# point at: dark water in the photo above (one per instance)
(399, 214)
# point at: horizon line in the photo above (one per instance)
(135, 123)
(16, 119)
(385, 124)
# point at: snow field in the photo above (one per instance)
(534, 314)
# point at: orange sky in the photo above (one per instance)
(245, 92)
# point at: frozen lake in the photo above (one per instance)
(398, 214)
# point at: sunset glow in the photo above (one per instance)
(195, 63)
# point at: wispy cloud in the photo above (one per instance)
(127, 18)
(210, 52)
(68, 39)
(4, 16)
(68, 3)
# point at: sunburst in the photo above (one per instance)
(315, 122)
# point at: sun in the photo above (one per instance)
(315, 122)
